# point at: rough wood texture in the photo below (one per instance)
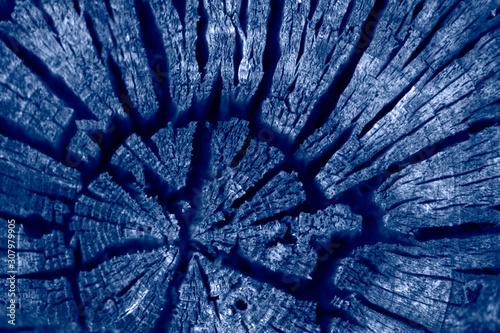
(215, 299)
(127, 292)
(424, 284)
(251, 165)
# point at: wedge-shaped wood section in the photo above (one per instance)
(454, 187)
(237, 164)
(175, 149)
(215, 299)
(423, 285)
(62, 54)
(118, 39)
(29, 108)
(39, 251)
(127, 292)
(110, 221)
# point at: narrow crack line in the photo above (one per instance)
(389, 106)
(179, 274)
(423, 44)
(312, 168)
(275, 328)
(199, 162)
(301, 47)
(109, 9)
(130, 285)
(450, 141)
(461, 231)
(48, 20)
(243, 15)
(158, 65)
(495, 271)
(418, 8)
(34, 225)
(345, 18)
(242, 152)
(426, 152)
(382, 151)
(180, 7)
(123, 248)
(390, 314)
(253, 190)
(291, 212)
(93, 35)
(121, 92)
(76, 268)
(76, 6)
(206, 283)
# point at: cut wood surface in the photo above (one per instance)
(250, 165)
